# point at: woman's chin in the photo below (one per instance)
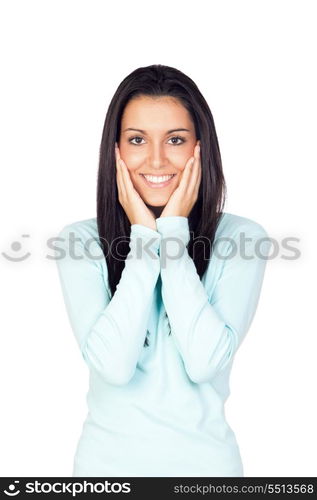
(156, 205)
(155, 201)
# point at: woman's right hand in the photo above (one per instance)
(132, 203)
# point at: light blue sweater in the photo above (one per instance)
(158, 410)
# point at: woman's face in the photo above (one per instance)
(157, 138)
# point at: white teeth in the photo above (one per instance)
(157, 179)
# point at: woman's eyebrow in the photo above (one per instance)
(168, 132)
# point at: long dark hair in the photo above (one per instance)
(158, 80)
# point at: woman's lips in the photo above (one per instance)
(158, 184)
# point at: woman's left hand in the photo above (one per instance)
(185, 195)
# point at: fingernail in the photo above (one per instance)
(198, 148)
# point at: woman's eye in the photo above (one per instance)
(177, 138)
(136, 137)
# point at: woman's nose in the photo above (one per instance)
(156, 157)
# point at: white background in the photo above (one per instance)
(61, 62)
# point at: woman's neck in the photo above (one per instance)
(156, 210)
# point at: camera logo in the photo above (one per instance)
(16, 246)
(13, 492)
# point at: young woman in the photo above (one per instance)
(160, 288)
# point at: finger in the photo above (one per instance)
(196, 189)
(126, 178)
(117, 152)
(196, 171)
(183, 185)
(119, 176)
(189, 174)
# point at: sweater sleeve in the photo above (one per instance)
(110, 332)
(208, 329)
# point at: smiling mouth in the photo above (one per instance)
(157, 181)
